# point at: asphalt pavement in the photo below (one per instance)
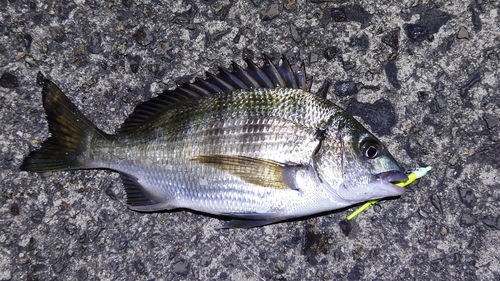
(424, 76)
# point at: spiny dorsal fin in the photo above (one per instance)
(267, 76)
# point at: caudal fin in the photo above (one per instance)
(70, 130)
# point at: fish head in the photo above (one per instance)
(365, 167)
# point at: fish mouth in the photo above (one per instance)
(380, 186)
(392, 177)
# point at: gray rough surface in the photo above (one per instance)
(436, 103)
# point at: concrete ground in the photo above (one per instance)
(422, 75)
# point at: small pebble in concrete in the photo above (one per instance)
(463, 33)
(8, 80)
(271, 12)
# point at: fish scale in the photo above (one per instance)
(233, 133)
(235, 138)
(227, 147)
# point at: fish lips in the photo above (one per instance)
(389, 179)
(393, 176)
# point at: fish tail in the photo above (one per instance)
(70, 132)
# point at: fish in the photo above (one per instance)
(250, 145)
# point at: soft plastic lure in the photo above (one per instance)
(413, 176)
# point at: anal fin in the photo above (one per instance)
(139, 199)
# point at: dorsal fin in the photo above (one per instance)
(272, 72)
(286, 73)
(301, 78)
(267, 76)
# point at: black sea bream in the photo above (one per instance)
(251, 144)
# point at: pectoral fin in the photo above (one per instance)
(263, 172)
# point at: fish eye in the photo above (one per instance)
(370, 149)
